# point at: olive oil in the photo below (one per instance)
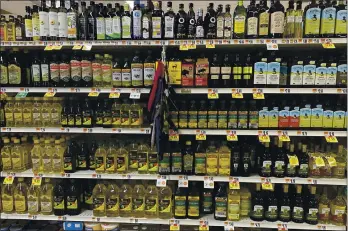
(33, 199)
(99, 200)
(20, 197)
(151, 201)
(138, 200)
(112, 200)
(46, 197)
(165, 203)
(126, 200)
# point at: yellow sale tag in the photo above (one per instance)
(173, 135)
(184, 47)
(203, 225)
(77, 47)
(319, 161)
(293, 161)
(284, 137)
(174, 225)
(332, 161)
(114, 95)
(331, 139)
(9, 180)
(93, 94)
(36, 181)
(48, 48)
(213, 95)
(192, 46)
(264, 138)
(210, 46)
(234, 183)
(201, 136)
(57, 47)
(258, 95)
(329, 45)
(267, 186)
(87, 47)
(232, 136)
(49, 94)
(237, 95)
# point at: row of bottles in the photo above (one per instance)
(70, 112)
(8, 224)
(251, 114)
(99, 22)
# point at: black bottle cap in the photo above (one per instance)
(211, 5)
(181, 5)
(191, 5)
(169, 4)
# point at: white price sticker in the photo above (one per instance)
(183, 182)
(161, 181)
(135, 94)
(208, 182)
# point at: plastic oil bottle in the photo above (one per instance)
(55, 112)
(112, 200)
(133, 156)
(138, 200)
(57, 158)
(27, 112)
(98, 194)
(9, 112)
(111, 159)
(135, 115)
(122, 159)
(165, 203)
(37, 120)
(26, 147)
(126, 200)
(36, 157)
(125, 114)
(97, 71)
(224, 160)
(33, 200)
(46, 112)
(47, 157)
(107, 70)
(100, 158)
(17, 156)
(46, 197)
(212, 159)
(18, 112)
(7, 198)
(151, 201)
(20, 196)
(143, 156)
(6, 155)
(233, 205)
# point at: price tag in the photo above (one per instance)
(48, 48)
(32, 217)
(49, 94)
(183, 182)
(192, 46)
(201, 135)
(183, 47)
(213, 94)
(88, 130)
(9, 180)
(328, 45)
(126, 177)
(203, 225)
(319, 161)
(161, 181)
(234, 183)
(272, 46)
(41, 129)
(282, 227)
(321, 227)
(114, 95)
(290, 180)
(36, 181)
(331, 160)
(312, 181)
(284, 90)
(21, 94)
(77, 47)
(283, 136)
(237, 95)
(330, 137)
(302, 133)
(267, 186)
(210, 46)
(87, 47)
(173, 135)
(98, 176)
(57, 47)
(255, 224)
(258, 95)
(228, 226)
(135, 94)
(293, 160)
(232, 136)
(174, 225)
(93, 94)
(264, 137)
(208, 182)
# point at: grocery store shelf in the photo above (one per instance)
(103, 43)
(74, 90)
(304, 133)
(87, 216)
(262, 90)
(78, 130)
(89, 174)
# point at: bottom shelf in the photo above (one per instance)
(87, 216)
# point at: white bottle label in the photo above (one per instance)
(44, 72)
(220, 27)
(309, 74)
(277, 22)
(320, 75)
(44, 24)
(62, 25)
(169, 27)
(331, 75)
(296, 75)
(116, 27)
(146, 28)
(260, 73)
(149, 73)
(137, 23)
(228, 28)
(273, 73)
(35, 72)
(53, 21)
(72, 25)
(108, 26)
(100, 26)
(126, 27)
(199, 32)
(117, 76)
(156, 27)
(252, 26)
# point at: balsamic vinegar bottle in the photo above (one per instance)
(191, 30)
(181, 23)
(53, 21)
(277, 20)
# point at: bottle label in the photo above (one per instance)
(232, 119)
(116, 117)
(233, 209)
(112, 204)
(67, 163)
(338, 119)
(28, 28)
(279, 167)
(36, 28)
(309, 74)
(116, 77)
(327, 119)
(257, 211)
(212, 164)
(164, 205)
(260, 73)
(193, 206)
(222, 119)
(99, 163)
(46, 205)
(97, 72)
(290, 19)
(277, 22)
(72, 30)
(44, 72)
(320, 75)
(75, 70)
(180, 206)
(164, 164)
(324, 212)
(342, 74)
(221, 207)
(174, 71)
(126, 27)
(226, 72)
(202, 119)
(110, 164)
(239, 24)
(168, 27)
(188, 163)
(252, 26)
(253, 119)
(264, 22)
(99, 204)
(202, 71)
(328, 20)
(312, 214)
(138, 204)
(126, 77)
(100, 28)
(296, 75)
(82, 28)
(338, 213)
(191, 28)
(125, 121)
(176, 162)
(14, 74)
(64, 72)
(156, 27)
(62, 25)
(285, 212)
(106, 73)
(192, 119)
(54, 70)
(137, 74)
(263, 118)
(153, 162)
(200, 163)
(137, 23)
(272, 212)
(149, 73)
(212, 119)
(116, 27)
(33, 205)
(86, 70)
(225, 164)
(108, 28)
(35, 73)
(331, 75)
(71, 202)
(146, 28)
(142, 161)
(312, 22)
(266, 167)
(44, 24)
(297, 213)
(121, 164)
(151, 205)
(247, 72)
(220, 27)
(199, 32)
(242, 119)
(341, 22)
(273, 74)
(228, 28)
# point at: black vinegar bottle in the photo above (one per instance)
(73, 198)
(59, 202)
(70, 158)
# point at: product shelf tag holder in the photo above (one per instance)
(201, 135)
(161, 181)
(283, 136)
(272, 47)
(135, 94)
(183, 47)
(93, 94)
(48, 48)
(213, 94)
(49, 94)
(174, 225)
(87, 47)
(234, 183)
(258, 94)
(114, 95)
(173, 135)
(264, 137)
(192, 46)
(210, 45)
(282, 227)
(9, 180)
(36, 180)
(21, 94)
(73, 226)
(228, 226)
(183, 182)
(330, 137)
(232, 136)
(57, 47)
(237, 93)
(328, 45)
(267, 186)
(203, 225)
(208, 182)
(77, 47)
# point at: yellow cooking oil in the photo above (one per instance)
(37, 120)
(99, 192)
(126, 200)
(125, 114)
(7, 198)
(47, 157)
(46, 197)
(20, 196)
(245, 202)
(55, 112)
(165, 203)
(138, 200)
(133, 156)
(17, 156)
(143, 158)
(224, 160)
(26, 147)
(27, 112)
(57, 158)
(9, 112)
(122, 159)
(6, 155)
(233, 205)
(33, 200)
(151, 201)
(112, 200)
(46, 112)
(18, 112)
(36, 157)
(111, 159)
(136, 115)
(212, 160)
(100, 158)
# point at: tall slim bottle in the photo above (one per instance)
(298, 20)
(328, 20)
(72, 16)
(83, 22)
(276, 20)
(100, 22)
(312, 17)
(169, 22)
(290, 21)
(341, 19)
(44, 23)
(126, 23)
(36, 23)
(136, 22)
(28, 24)
(239, 20)
(263, 19)
(220, 22)
(252, 20)
(191, 30)
(63, 21)
(91, 22)
(53, 21)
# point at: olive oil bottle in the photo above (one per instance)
(151, 201)
(46, 197)
(112, 200)
(165, 202)
(99, 200)
(20, 196)
(126, 200)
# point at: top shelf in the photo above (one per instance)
(198, 42)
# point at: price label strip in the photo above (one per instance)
(234, 183)
(201, 135)
(232, 136)
(161, 181)
(183, 182)
(208, 182)
(174, 225)
(213, 94)
(173, 135)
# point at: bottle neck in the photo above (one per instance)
(240, 2)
